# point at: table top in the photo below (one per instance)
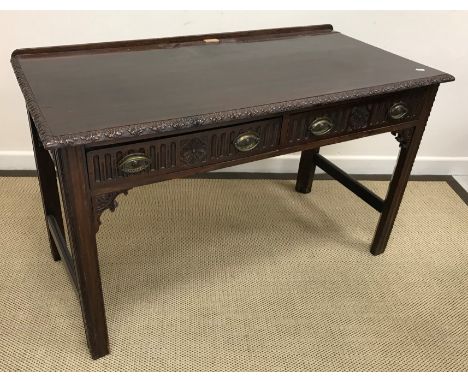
(80, 94)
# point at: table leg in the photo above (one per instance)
(409, 143)
(306, 172)
(396, 189)
(82, 234)
(47, 184)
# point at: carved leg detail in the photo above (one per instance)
(306, 172)
(81, 230)
(47, 184)
(403, 137)
(106, 201)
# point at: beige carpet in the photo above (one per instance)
(244, 275)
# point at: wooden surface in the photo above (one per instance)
(184, 105)
(79, 212)
(47, 178)
(138, 90)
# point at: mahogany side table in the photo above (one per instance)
(107, 117)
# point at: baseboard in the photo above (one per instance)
(360, 164)
(17, 160)
(355, 164)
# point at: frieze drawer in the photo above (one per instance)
(367, 114)
(173, 154)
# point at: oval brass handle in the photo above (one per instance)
(321, 125)
(398, 110)
(246, 141)
(134, 163)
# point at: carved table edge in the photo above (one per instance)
(51, 141)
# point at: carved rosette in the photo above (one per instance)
(106, 202)
(403, 137)
(359, 118)
(193, 151)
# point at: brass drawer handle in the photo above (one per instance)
(134, 163)
(247, 141)
(321, 126)
(398, 111)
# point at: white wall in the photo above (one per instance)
(438, 39)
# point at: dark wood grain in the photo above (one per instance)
(62, 248)
(410, 139)
(177, 41)
(124, 114)
(99, 95)
(127, 182)
(81, 232)
(353, 185)
(306, 171)
(47, 185)
(181, 152)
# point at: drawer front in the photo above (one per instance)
(179, 153)
(364, 115)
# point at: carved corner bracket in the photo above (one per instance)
(404, 137)
(106, 202)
